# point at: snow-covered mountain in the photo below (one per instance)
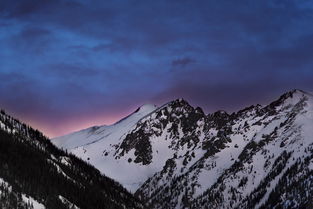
(98, 146)
(175, 156)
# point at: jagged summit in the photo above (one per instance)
(295, 93)
(250, 108)
(180, 102)
(289, 99)
(178, 157)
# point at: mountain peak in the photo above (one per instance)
(177, 148)
(146, 108)
(179, 102)
(295, 92)
(294, 95)
(290, 98)
(140, 112)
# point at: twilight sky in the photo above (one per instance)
(70, 64)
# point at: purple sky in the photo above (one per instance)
(69, 64)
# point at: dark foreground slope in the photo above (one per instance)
(35, 172)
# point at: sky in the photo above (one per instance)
(69, 64)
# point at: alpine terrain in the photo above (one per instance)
(34, 174)
(176, 156)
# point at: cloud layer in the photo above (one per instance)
(66, 64)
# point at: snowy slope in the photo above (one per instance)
(97, 146)
(178, 157)
(284, 138)
(245, 155)
(105, 133)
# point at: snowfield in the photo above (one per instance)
(97, 146)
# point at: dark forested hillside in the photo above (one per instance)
(34, 170)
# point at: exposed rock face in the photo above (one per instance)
(258, 157)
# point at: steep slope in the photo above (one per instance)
(97, 145)
(133, 148)
(105, 133)
(258, 147)
(259, 157)
(13, 199)
(36, 174)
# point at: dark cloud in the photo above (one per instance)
(67, 71)
(32, 34)
(69, 60)
(232, 91)
(21, 9)
(183, 62)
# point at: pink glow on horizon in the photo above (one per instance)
(72, 125)
(61, 125)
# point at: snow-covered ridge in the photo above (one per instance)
(105, 132)
(97, 146)
(231, 157)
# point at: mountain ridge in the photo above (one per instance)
(179, 143)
